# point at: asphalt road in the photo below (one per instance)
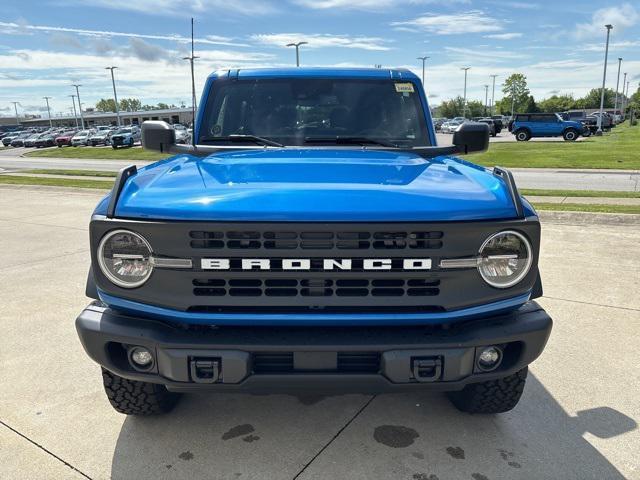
(577, 419)
(550, 178)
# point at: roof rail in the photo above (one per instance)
(507, 177)
(123, 175)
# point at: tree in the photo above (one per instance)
(514, 87)
(592, 99)
(530, 105)
(557, 103)
(106, 105)
(130, 104)
(162, 106)
(451, 108)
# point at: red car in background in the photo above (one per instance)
(65, 138)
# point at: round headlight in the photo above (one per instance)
(505, 259)
(125, 258)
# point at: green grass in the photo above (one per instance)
(56, 182)
(618, 149)
(578, 193)
(75, 173)
(578, 207)
(135, 153)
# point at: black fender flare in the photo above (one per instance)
(91, 290)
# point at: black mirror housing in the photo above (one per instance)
(158, 135)
(471, 137)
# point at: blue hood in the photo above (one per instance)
(298, 184)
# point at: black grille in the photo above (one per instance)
(315, 287)
(290, 240)
(348, 362)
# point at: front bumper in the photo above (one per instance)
(313, 359)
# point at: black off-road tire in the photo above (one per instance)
(493, 396)
(137, 398)
(523, 135)
(570, 135)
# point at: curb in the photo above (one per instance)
(586, 218)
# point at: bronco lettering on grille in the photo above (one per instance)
(306, 264)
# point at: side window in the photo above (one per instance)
(522, 118)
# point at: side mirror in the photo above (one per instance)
(158, 135)
(470, 137)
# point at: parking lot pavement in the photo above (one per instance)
(504, 136)
(577, 419)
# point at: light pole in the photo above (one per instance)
(604, 79)
(622, 100)
(615, 104)
(424, 59)
(15, 107)
(75, 115)
(464, 99)
(486, 98)
(493, 92)
(79, 105)
(191, 58)
(48, 111)
(297, 45)
(115, 96)
(513, 100)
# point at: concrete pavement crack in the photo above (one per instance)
(342, 429)
(591, 303)
(45, 450)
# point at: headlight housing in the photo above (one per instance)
(505, 258)
(125, 258)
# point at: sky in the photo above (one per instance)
(47, 45)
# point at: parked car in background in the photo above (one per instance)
(80, 139)
(182, 134)
(7, 139)
(492, 126)
(46, 140)
(450, 126)
(591, 121)
(100, 137)
(19, 140)
(499, 122)
(30, 141)
(64, 138)
(438, 122)
(530, 125)
(125, 137)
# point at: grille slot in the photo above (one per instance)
(348, 362)
(287, 240)
(315, 287)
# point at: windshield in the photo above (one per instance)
(123, 131)
(303, 111)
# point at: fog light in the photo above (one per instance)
(141, 357)
(489, 358)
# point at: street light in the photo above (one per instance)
(48, 111)
(493, 92)
(75, 115)
(297, 45)
(115, 96)
(615, 105)
(424, 59)
(79, 104)
(623, 100)
(15, 106)
(604, 79)
(464, 101)
(486, 98)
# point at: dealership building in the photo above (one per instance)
(93, 118)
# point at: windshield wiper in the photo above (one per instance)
(243, 138)
(340, 140)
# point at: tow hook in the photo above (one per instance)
(205, 370)
(427, 369)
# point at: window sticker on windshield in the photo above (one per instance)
(404, 87)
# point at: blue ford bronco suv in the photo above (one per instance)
(314, 240)
(528, 125)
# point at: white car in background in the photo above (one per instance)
(81, 138)
(450, 126)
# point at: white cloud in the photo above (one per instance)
(371, 5)
(9, 27)
(504, 36)
(183, 8)
(474, 21)
(613, 46)
(621, 17)
(323, 41)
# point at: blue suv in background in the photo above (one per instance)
(528, 125)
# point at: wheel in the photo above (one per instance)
(137, 398)
(493, 396)
(586, 132)
(523, 135)
(570, 135)
(114, 147)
